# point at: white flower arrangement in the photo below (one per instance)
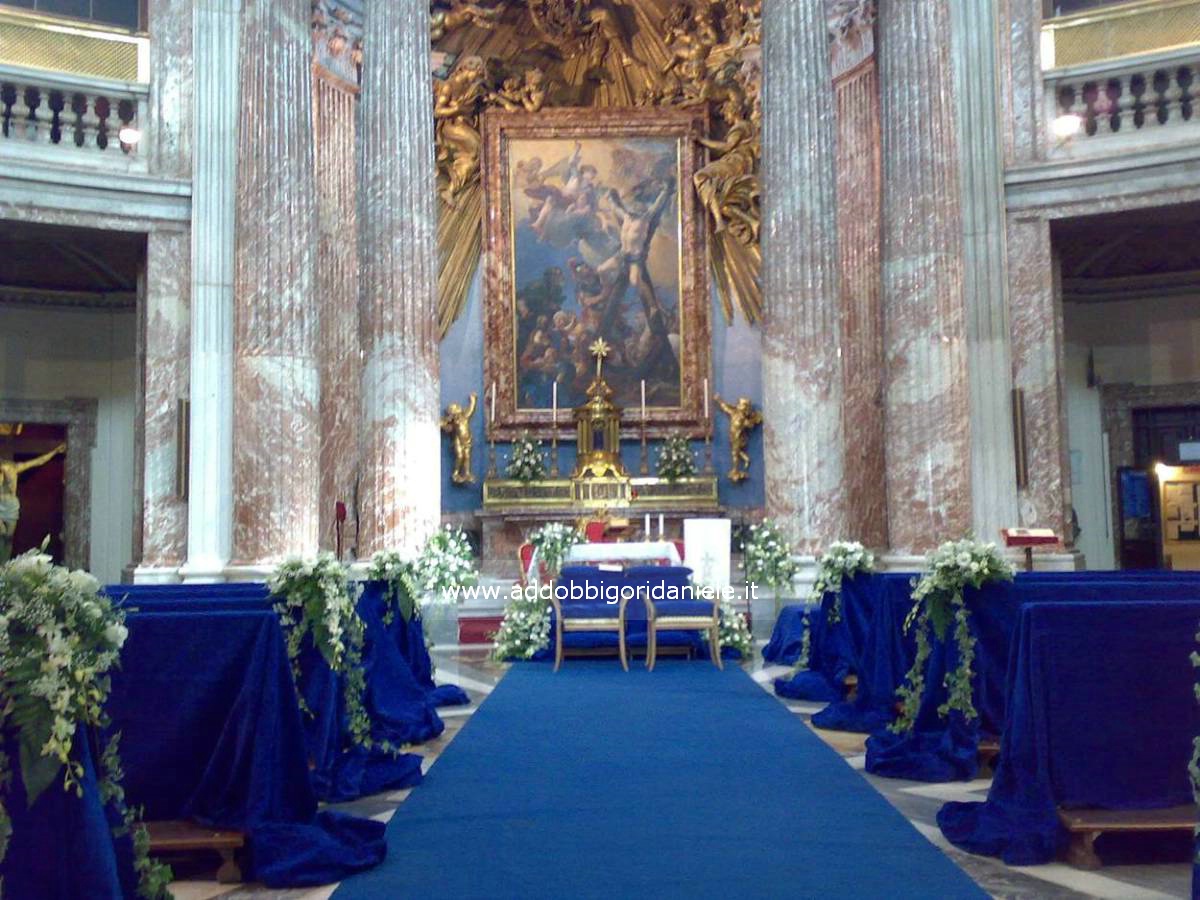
(767, 556)
(402, 588)
(445, 563)
(735, 631)
(59, 638)
(526, 461)
(551, 543)
(937, 601)
(675, 459)
(524, 630)
(843, 559)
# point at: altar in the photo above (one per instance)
(599, 487)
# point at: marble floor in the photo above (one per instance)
(470, 668)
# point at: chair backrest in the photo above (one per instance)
(608, 583)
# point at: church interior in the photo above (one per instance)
(599, 448)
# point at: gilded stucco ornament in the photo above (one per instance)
(457, 423)
(743, 418)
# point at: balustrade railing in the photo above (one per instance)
(92, 119)
(1125, 103)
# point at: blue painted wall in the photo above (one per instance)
(737, 372)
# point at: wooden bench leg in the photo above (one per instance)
(230, 872)
(1081, 851)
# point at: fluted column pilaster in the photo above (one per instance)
(276, 375)
(802, 374)
(927, 392)
(400, 497)
(216, 37)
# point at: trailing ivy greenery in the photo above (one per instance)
(938, 603)
(843, 559)
(402, 588)
(675, 459)
(767, 555)
(317, 598)
(526, 461)
(59, 638)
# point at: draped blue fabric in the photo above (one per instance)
(211, 731)
(1101, 715)
(946, 749)
(787, 636)
(835, 649)
(886, 656)
(63, 846)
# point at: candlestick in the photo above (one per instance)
(645, 451)
(706, 398)
(660, 526)
(643, 399)
(491, 472)
(554, 430)
(646, 529)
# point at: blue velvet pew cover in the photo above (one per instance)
(1101, 716)
(946, 749)
(211, 730)
(835, 649)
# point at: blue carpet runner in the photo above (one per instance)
(683, 782)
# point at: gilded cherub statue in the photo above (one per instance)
(742, 418)
(10, 503)
(516, 94)
(457, 422)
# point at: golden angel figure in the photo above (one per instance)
(457, 423)
(742, 418)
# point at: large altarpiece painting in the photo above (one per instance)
(591, 230)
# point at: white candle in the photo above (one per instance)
(647, 526)
(643, 399)
(554, 403)
(660, 526)
(706, 398)
(493, 403)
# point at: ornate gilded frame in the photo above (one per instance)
(499, 364)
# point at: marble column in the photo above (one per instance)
(802, 370)
(400, 496)
(165, 334)
(171, 83)
(927, 397)
(216, 40)
(337, 282)
(859, 223)
(1037, 351)
(276, 376)
(974, 52)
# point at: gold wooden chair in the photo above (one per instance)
(676, 615)
(571, 616)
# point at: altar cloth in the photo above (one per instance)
(615, 552)
(1102, 715)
